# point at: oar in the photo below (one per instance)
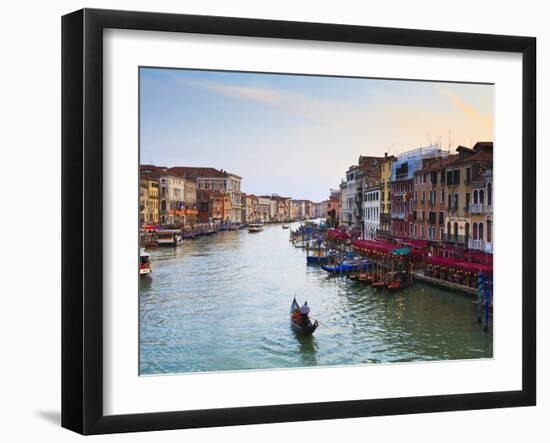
(326, 326)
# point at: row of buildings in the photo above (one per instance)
(424, 194)
(186, 196)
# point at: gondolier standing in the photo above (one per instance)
(304, 311)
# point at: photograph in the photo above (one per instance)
(297, 221)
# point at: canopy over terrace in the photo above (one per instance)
(448, 262)
(373, 246)
(420, 244)
(338, 235)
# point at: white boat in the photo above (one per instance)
(144, 262)
(286, 226)
(255, 227)
(169, 237)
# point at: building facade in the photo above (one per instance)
(372, 210)
(212, 179)
(385, 195)
(148, 200)
(402, 187)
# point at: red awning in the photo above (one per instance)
(339, 235)
(369, 245)
(449, 262)
(479, 256)
(412, 242)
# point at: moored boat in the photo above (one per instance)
(297, 320)
(255, 227)
(169, 237)
(286, 226)
(348, 266)
(144, 262)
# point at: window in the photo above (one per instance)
(480, 231)
(443, 196)
(456, 177)
(468, 175)
(489, 230)
(475, 231)
(489, 201)
(467, 230)
(449, 201)
(456, 230)
(421, 231)
(467, 201)
(481, 196)
(456, 202)
(441, 218)
(443, 177)
(449, 177)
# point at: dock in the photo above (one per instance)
(419, 275)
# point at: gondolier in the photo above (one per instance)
(304, 311)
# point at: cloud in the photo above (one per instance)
(468, 110)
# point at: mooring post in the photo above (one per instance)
(487, 302)
(479, 296)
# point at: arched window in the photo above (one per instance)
(456, 229)
(467, 230)
(481, 195)
(448, 228)
(481, 231)
(489, 195)
(489, 227)
(475, 231)
(475, 197)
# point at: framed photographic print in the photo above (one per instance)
(269, 221)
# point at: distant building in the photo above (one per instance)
(263, 209)
(210, 206)
(212, 179)
(333, 209)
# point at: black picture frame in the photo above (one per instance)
(82, 215)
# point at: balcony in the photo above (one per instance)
(480, 208)
(480, 245)
(476, 208)
(476, 244)
(401, 215)
(455, 238)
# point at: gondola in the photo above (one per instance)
(296, 326)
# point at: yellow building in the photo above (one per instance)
(385, 193)
(148, 200)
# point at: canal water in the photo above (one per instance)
(221, 303)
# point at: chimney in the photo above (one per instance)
(385, 155)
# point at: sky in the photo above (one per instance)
(296, 135)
